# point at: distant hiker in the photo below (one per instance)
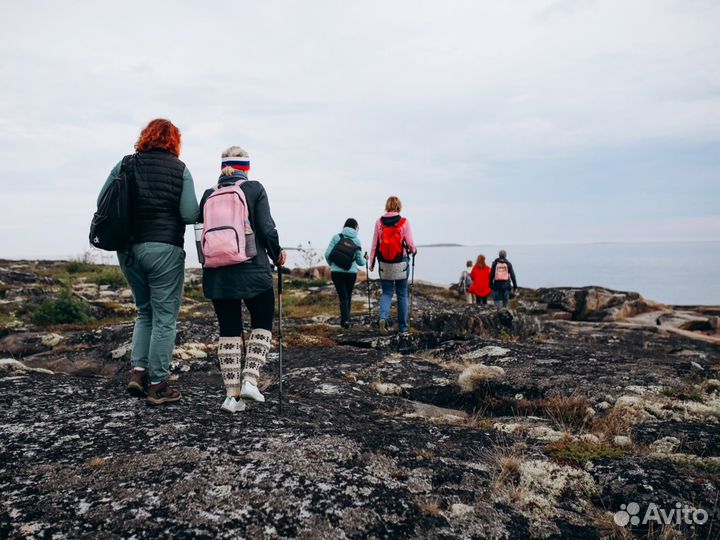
(464, 284)
(238, 237)
(480, 275)
(344, 254)
(392, 245)
(163, 201)
(501, 276)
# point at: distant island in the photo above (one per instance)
(440, 245)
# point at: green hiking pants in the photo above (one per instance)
(156, 278)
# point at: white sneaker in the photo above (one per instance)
(232, 405)
(250, 391)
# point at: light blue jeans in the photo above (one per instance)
(156, 278)
(400, 287)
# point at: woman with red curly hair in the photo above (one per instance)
(163, 202)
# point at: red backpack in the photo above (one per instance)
(391, 242)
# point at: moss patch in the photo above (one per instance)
(580, 452)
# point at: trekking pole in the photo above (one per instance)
(367, 274)
(280, 346)
(412, 286)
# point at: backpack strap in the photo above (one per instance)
(341, 236)
(405, 247)
(128, 164)
(237, 183)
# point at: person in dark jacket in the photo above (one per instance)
(344, 278)
(163, 202)
(502, 279)
(250, 282)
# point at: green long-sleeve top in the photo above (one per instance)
(189, 209)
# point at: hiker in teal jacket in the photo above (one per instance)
(344, 279)
(163, 202)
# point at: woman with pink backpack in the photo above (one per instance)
(238, 241)
(392, 246)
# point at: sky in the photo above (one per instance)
(513, 122)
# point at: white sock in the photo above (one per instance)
(230, 353)
(257, 352)
(138, 368)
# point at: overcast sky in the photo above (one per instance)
(510, 122)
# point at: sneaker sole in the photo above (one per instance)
(136, 390)
(238, 408)
(162, 401)
(252, 398)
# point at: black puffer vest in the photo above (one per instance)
(158, 186)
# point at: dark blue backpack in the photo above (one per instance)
(343, 254)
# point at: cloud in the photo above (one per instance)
(462, 110)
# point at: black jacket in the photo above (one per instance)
(158, 186)
(505, 284)
(251, 278)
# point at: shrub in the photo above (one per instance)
(194, 291)
(111, 276)
(81, 264)
(303, 282)
(74, 267)
(65, 309)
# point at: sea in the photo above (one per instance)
(675, 273)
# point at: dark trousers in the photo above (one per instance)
(481, 300)
(229, 313)
(502, 295)
(344, 283)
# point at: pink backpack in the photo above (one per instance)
(502, 272)
(227, 236)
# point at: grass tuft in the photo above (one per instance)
(430, 508)
(110, 275)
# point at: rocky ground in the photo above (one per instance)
(543, 421)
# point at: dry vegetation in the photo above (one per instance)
(430, 508)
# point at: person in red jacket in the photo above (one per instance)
(480, 276)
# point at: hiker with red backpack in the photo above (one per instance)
(143, 208)
(344, 254)
(238, 237)
(392, 246)
(502, 279)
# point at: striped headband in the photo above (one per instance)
(236, 162)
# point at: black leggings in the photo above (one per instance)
(229, 313)
(481, 300)
(344, 283)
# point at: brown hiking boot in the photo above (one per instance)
(162, 393)
(139, 382)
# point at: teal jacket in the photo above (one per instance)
(351, 233)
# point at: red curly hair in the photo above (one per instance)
(159, 133)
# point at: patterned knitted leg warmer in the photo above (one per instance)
(230, 352)
(257, 351)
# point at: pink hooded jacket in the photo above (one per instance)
(406, 234)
